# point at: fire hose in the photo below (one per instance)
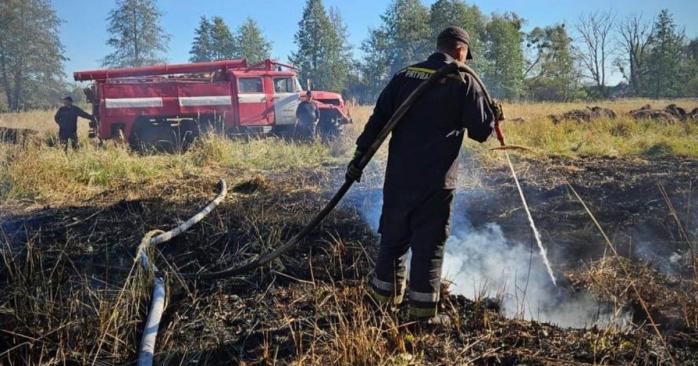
(445, 71)
(157, 302)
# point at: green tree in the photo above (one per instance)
(321, 45)
(223, 45)
(31, 54)
(341, 56)
(374, 69)
(250, 43)
(555, 75)
(504, 74)
(136, 34)
(404, 38)
(201, 47)
(691, 68)
(406, 22)
(445, 13)
(665, 78)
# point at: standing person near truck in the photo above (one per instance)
(421, 173)
(307, 118)
(67, 119)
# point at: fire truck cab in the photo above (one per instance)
(167, 105)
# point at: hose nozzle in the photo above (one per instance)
(500, 134)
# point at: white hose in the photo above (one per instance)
(150, 332)
(157, 302)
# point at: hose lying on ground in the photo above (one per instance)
(261, 260)
(157, 302)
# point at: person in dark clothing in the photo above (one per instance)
(421, 172)
(67, 119)
(307, 116)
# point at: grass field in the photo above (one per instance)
(46, 172)
(71, 222)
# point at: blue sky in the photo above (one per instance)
(84, 29)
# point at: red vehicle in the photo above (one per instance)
(169, 104)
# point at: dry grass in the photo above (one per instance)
(622, 136)
(48, 174)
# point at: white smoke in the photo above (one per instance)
(482, 262)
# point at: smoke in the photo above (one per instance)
(482, 262)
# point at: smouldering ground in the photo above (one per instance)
(71, 223)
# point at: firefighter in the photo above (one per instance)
(307, 116)
(421, 173)
(67, 120)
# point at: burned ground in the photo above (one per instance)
(624, 194)
(310, 306)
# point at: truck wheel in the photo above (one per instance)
(155, 136)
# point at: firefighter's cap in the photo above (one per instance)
(456, 34)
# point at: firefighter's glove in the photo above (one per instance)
(498, 110)
(353, 170)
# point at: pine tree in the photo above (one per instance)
(341, 54)
(222, 41)
(250, 43)
(320, 55)
(136, 35)
(31, 54)
(503, 51)
(665, 78)
(201, 47)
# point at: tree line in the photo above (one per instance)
(215, 41)
(558, 62)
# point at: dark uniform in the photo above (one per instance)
(67, 120)
(421, 176)
(307, 115)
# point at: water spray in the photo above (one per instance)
(536, 234)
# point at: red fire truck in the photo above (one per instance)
(166, 105)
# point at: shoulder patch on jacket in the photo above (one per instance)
(415, 72)
(423, 73)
